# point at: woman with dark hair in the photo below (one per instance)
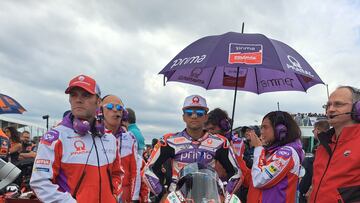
(15, 143)
(277, 159)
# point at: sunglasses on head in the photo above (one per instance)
(198, 112)
(111, 106)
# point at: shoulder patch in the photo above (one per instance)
(284, 153)
(49, 137)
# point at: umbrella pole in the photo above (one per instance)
(233, 110)
(237, 80)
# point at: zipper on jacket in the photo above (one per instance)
(327, 166)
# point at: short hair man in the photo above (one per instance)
(319, 127)
(132, 127)
(25, 136)
(337, 165)
(194, 139)
(28, 149)
(75, 161)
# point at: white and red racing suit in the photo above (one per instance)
(182, 149)
(74, 168)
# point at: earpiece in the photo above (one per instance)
(281, 130)
(355, 112)
(225, 125)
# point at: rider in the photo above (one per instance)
(193, 144)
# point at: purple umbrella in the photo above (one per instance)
(248, 62)
(9, 105)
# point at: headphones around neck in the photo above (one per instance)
(225, 125)
(281, 130)
(82, 127)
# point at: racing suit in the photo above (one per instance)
(275, 173)
(73, 168)
(336, 168)
(182, 149)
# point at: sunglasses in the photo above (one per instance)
(198, 112)
(111, 106)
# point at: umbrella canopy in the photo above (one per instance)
(248, 62)
(10, 105)
(258, 64)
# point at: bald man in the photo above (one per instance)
(337, 165)
(113, 110)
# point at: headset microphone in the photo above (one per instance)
(333, 116)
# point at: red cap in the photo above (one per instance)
(85, 82)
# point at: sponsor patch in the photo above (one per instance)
(284, 153)
(273, 169)
(179, 140)
(41, 169)
(49, 137)
(43, 161)
(268, 173)
(245, 53)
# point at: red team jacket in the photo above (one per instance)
(337, 167)
(64, 156)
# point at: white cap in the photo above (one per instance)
(195, 101)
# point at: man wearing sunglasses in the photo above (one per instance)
(113, 109)
(193, 144)
(75, 161)
(336, 167)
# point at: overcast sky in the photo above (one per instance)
(124, 44)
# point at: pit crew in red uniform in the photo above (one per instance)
(75, 161)
(191, 145)
(336, 176)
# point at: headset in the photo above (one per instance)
(82, 127)
(355, 115)
(355, 111)
(224, 125)
(280, 128)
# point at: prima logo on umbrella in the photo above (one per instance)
(276, 82)
(188, 60)
(295, 65)
(245, 53)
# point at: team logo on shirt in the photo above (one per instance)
(195, 100)
(347, 153)
(80, 148)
